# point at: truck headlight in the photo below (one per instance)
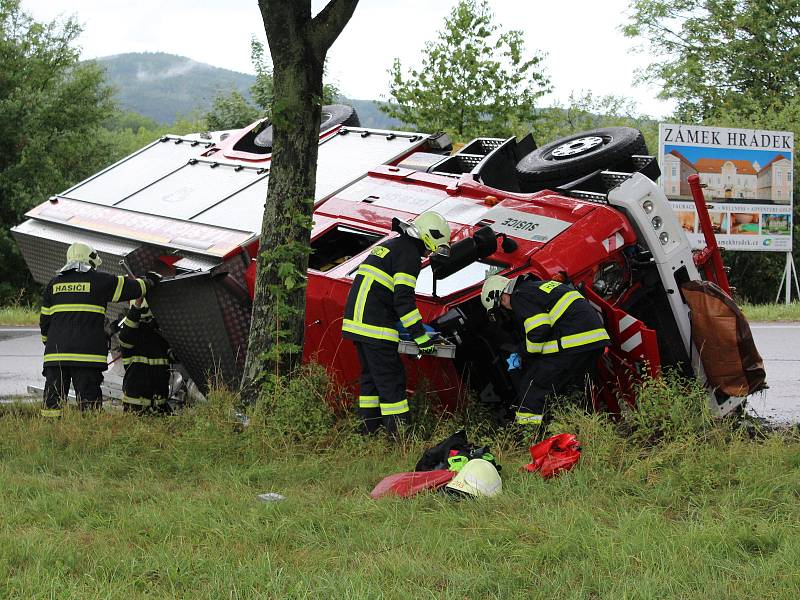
(648, 206)
(657, 222)
(664, 238)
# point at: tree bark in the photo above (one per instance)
(298, 45)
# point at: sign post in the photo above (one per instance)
(747, 180)
(789, 270)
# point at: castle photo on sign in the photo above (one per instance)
(729, 174)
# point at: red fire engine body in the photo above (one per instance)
(191, 209)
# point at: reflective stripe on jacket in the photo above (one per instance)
(383, 294)
(73, 312)
(555, 317)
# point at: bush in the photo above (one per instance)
(670, 407)
(298, 408)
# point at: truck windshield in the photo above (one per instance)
(470, 275)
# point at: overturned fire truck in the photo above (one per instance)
(584, 209)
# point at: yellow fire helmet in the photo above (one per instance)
(493, 289)
(477, 478)
(434, 231)
(84, 254)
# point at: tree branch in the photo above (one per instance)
(328, 24)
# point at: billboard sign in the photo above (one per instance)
(748, 176)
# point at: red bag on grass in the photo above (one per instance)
(555, 454)
(406, 485)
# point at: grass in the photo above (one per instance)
(772, 312)
(113, 506)
(17, 315)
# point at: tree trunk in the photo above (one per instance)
(298, 45)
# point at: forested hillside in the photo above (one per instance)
(165, 86)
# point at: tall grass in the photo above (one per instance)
(19, 316)
(772, 312)
(114, 506)
(19, 312)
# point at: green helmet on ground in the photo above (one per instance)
(477, 478)
(434, 231)
(83, 254)
(492, 291)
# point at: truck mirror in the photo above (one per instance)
(462, 253)
(485, 242)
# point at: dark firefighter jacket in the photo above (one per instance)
(73, 315)
(145, 355)
(383, 294)
(555, 317)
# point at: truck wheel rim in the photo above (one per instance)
(578, 146)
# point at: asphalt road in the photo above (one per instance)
(779, 345)
(21, 361)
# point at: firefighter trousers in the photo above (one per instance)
(551, 375)
(85, 381)
(382, 395)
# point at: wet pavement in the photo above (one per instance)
(21, 352)
(20, 360)
(779, 345)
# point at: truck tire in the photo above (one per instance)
(332, 115)
(578, 155)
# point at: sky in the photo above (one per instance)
(581, 38)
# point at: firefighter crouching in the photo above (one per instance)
(562, 333)
(146, 356)
(383, 294)
(72, 326)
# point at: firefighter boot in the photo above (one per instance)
(56, 388)
(397, 424)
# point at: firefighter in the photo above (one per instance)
(563, 336)
(72, 324)
(383, 294)
(146, 356)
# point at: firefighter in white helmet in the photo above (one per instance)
(383, 294)
(563, 339)
(72, 325)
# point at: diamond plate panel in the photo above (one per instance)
(205, 325)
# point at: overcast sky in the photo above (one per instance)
(585, 49)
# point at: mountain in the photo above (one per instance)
(164, 86)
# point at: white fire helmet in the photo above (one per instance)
(477, 478)
(492, 291)
(83, 254)
(434, 231)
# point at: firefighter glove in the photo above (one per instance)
(427, 347)
(152, 279)
(514, 361)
